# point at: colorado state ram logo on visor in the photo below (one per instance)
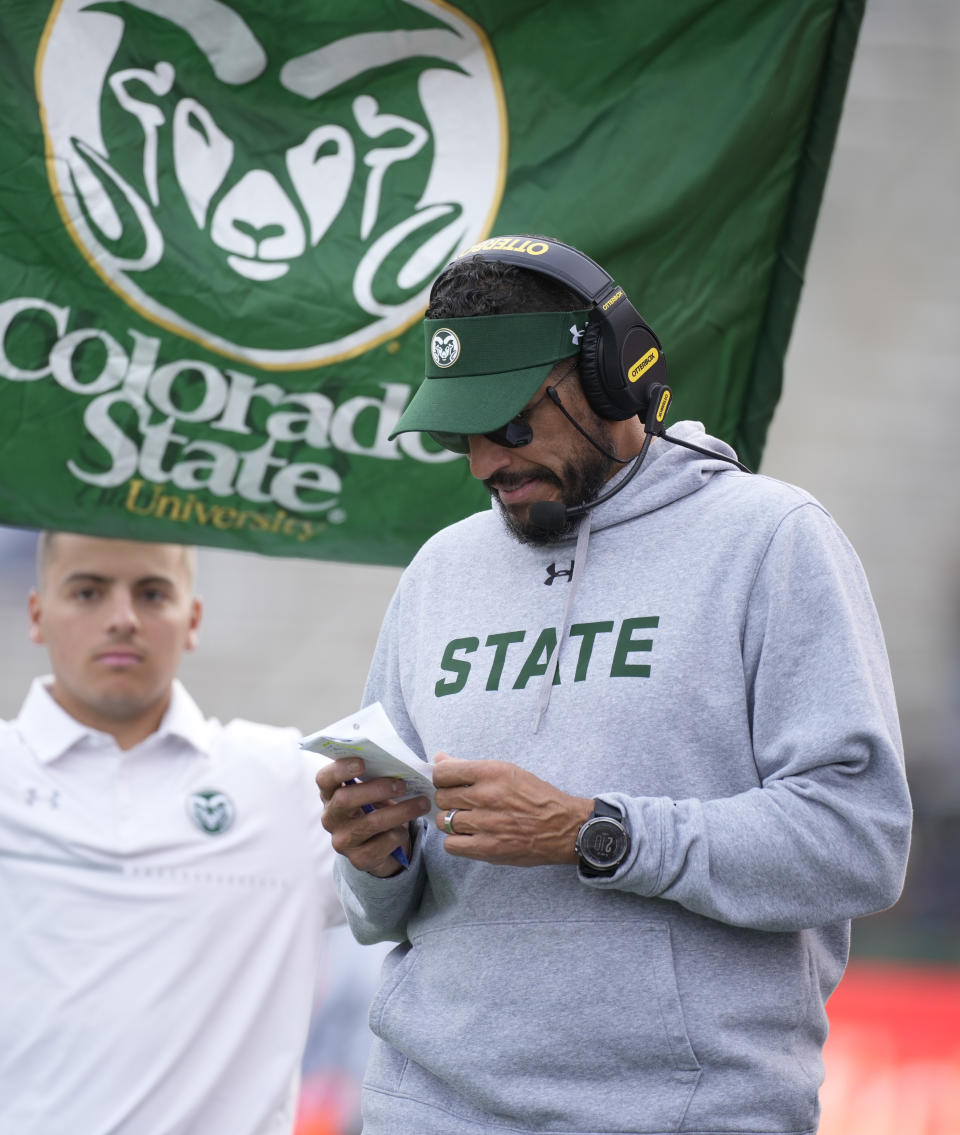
(444, 347)
(283, 191)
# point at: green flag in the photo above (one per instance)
(220, 220)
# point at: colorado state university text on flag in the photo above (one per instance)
(220, 219)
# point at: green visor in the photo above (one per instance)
(481, 371)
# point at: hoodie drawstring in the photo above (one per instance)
(579, 562)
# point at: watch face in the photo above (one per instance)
(602, 842)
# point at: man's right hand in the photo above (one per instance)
(368, 839)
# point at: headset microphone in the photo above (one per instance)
(551, 517)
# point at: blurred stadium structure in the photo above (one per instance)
(866, 423)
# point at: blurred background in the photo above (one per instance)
(867, 423)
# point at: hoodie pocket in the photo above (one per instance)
(569, 1025)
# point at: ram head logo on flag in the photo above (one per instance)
(220, 222)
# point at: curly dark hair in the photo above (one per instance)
(475, 286)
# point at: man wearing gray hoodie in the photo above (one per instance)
(666, 747)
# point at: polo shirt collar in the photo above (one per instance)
(45, 725)
(185, 720)
(50, 731)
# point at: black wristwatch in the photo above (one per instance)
(603, 842)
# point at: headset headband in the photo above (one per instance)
(552, 258)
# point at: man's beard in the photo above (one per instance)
(582, 479)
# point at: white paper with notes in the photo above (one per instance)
(370, 735)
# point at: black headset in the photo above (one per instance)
(621, 358)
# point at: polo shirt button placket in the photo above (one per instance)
(125, 804)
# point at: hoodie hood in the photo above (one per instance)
(669, 473)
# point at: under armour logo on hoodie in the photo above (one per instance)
(553, 572)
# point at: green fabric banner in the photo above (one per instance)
(220, 219)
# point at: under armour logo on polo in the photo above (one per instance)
(553, 572)
(33, 797)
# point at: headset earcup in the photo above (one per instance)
(592, 377)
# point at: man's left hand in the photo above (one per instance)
(506, 815)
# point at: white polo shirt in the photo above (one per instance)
(161, 912)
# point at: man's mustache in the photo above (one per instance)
(510, 481)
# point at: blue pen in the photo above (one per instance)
(397, 852)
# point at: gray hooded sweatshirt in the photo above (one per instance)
(721, 677)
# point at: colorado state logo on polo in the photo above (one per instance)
(211, 810)
(336, 172)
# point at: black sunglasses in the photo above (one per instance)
(516, 433)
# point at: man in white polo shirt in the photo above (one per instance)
(164, 879)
